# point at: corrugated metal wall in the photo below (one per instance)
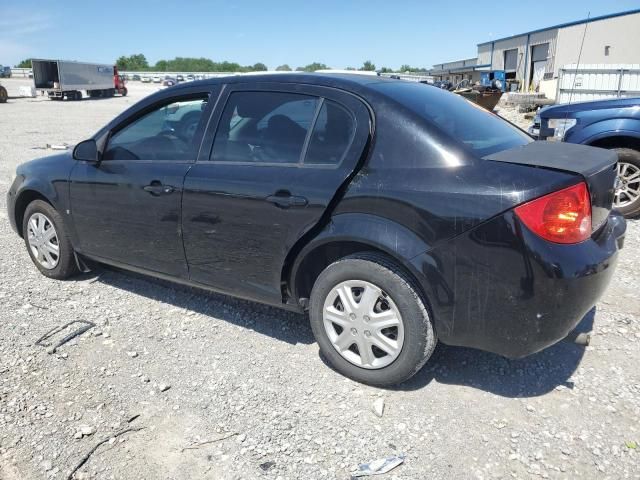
(524, 54)
(597, 81)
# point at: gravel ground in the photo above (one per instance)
(229, 389)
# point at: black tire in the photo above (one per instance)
(419, 334)
(3, 95)
(632, 157)
(66, 266)
(124, 92)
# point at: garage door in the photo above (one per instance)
(511, 60)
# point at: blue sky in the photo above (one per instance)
(339, 33)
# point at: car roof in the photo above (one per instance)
(346, 81)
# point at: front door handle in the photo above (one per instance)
(157, 189)
(286, 200)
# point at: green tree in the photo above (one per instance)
(227, 67)
(283, 68)
(312, 67)
(259, 67)
(24, 64)
(161, 66)
(368, 66)
(409, 68)
(134, 62)
(386, 70)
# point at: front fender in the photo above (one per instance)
(46, 178)
(47, 190)
(617, 127)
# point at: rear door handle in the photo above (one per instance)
(156, 188)
(286, 201)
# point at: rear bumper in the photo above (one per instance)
(502, 289)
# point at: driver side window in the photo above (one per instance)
(165, 133)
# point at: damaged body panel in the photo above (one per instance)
(270, 187)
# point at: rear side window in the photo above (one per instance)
(481, 131)
(264, 127)
(331, 136)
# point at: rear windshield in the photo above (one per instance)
(482, 132)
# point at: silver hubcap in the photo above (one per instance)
(43, 241)
(628, 185)
(363, 324)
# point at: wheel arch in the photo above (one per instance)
(616, 140)
(23, 199)
(344, 235)
(609, 128)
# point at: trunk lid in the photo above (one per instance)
(595, 165)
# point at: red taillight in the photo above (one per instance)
(562, 217)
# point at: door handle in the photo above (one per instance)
(156, 189)
(286, 200)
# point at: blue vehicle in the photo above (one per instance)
(611, 124)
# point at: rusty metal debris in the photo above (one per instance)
(86, 325)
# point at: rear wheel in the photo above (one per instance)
(370, 321)
(47, 242)
(627, 193)
(3, 95)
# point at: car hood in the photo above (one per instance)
(556, 111)
(51, 163)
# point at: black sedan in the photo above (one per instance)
(396, 214)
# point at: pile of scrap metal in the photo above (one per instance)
(486, 97)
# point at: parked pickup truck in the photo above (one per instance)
(612, 124)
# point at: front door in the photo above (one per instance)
(126, 209)
(279, 156)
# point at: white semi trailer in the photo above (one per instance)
(63, 78)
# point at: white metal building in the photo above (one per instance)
(456, 71)
(535, 58)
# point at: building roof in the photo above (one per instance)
(568, 24)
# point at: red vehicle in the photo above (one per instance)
(119, 82)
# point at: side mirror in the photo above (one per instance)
(86, 151)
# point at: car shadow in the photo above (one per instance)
(289, 327)
(532, 376)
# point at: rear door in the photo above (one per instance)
(280, 153)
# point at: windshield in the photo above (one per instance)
(481, 131)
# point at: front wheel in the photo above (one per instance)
(370, 321)
(47, 242)
(3, 95)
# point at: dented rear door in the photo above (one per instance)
(253, 196)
